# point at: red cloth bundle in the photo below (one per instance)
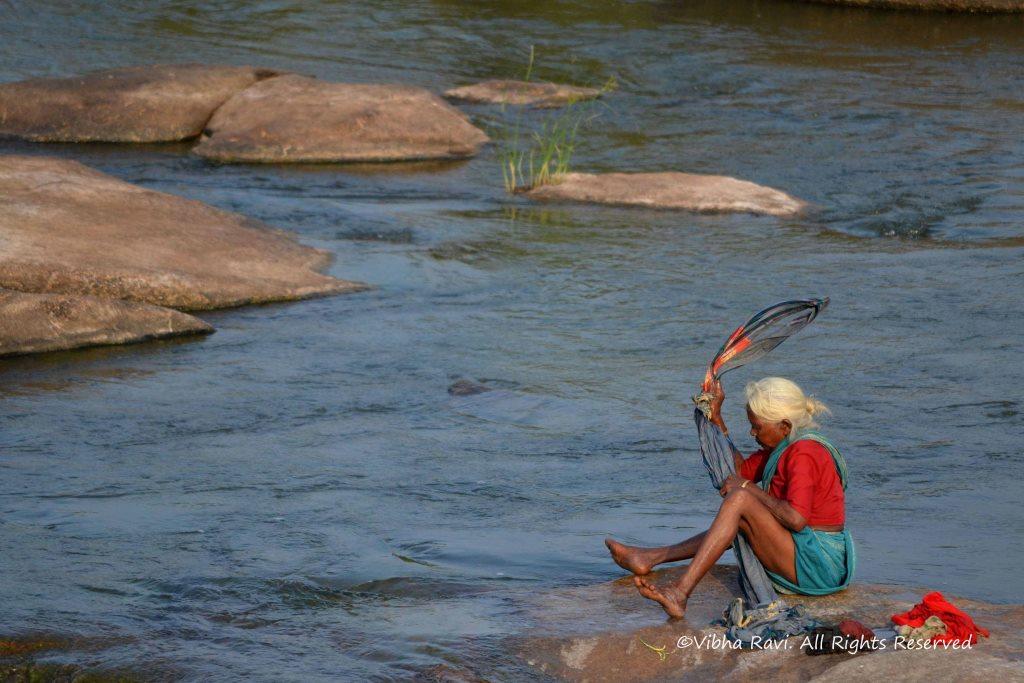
(959, 626)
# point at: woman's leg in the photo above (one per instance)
(740, 511)
(641, 561)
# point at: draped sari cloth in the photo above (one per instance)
(716, 450)
(825, 560)
(760, 614)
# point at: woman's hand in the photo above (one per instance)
(718, 398)
(733, 481)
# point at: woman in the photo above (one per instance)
(795, 523)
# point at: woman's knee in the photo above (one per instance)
(738, 498)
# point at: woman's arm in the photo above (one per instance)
(718, 398)
(780, 509)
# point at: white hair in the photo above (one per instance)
(776, 399)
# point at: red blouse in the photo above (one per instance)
(806, 478)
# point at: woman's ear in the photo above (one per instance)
(787, 427)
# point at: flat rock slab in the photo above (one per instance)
(160, 103)
(299, 119)
(70, 229)
(597, 633)
(32, 323)
(538, 94)
(670, 190)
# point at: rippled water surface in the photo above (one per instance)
(298, 498)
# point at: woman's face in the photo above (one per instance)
(768, 434)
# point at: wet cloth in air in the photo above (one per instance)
(763, 613)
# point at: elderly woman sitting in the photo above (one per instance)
(794, 522)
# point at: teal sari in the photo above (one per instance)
(825, 560)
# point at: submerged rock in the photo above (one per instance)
(33, 323)
(670, 190)
(17, 663)
(542, 95)
(442, 673)
(299, 119)
(70, 229)
(466, 387)
(159, 103)
(610, 633)
(27, 645)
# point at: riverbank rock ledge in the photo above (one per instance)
(300, 119)
(671, 190)
(160, 103)
(607, 632)
(32, 323)
(539, 94)
(66, 228)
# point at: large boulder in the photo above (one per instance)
(539, 94)
(299, 119)
(610, 633)
(671, 190)
(70, 229)
(158, 103)
(32, 323)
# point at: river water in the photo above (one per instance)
(297, 498)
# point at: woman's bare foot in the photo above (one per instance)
(671, 599)
(630, 558)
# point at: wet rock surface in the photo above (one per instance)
(19, 653)
(670, 190)
(538, 94)
(935, 5)
(32, 672)
(159, 103)
(298, 119)
(33, 323)
(66, 228)
(610, 633)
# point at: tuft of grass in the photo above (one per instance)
(539, 158)
(552, 149)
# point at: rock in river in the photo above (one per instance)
(32, 323)
(671, 190)
(67, 228)
(158, 103)
(539, 94)
(299, 119)
(610, 633)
